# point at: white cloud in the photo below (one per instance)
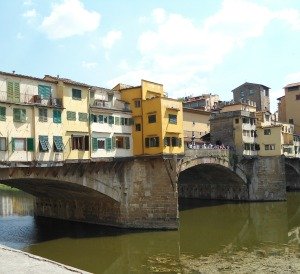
(89, 65)
(177, 51)
(30, 13)
(68, 19)
(111, 38)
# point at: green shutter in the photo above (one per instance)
(108, 143)
(94, 144)
(44, 91)
(147, 142)
(56, 116)
(13, 144)
(127, 143)
(10, 91)
(2, 114)
(17, 92)
(30, 144)
(179, 142)
(71, 115)
(58, 143)
(113, 145)
(16, 115)
(44, 143)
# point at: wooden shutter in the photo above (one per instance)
(2, 114)
(127, 143)
(108, 143)
(16, 93)
(10, 91)
(94, 143)
(13, 144)
(113, 141)
(86, 143)
(147, 142)
(30, 144)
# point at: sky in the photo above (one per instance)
(191, 47)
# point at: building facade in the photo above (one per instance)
(204, 102)
(157, 119)
(253, 92)
(289, 106)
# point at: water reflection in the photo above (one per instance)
(205, 228)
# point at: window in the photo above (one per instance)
(251, 91)
(242, 93)
(93, 118)
(13, 92)
(152, 142)
(57, 116)
(267, 117)
(269, 147)
(44, 145)
(237, 120)
(58, 145)
(138, 127)
(122, 142)
(105, 119)
(298, 97)
(267, 131)
(172, 119)
(247, 146)
(98, 143)
(80, 143)
(3, 144)
(291, 121)
(117, 120)
(43, 113)
(137, 103)
(267, 92)
(2, 114)
(82, 117)
(44, 91)
(152, 118)
(71, 115)
(111, 120)
(100, 119)
(19, 115)
(76, 94)
(22, 144)
(167, 141)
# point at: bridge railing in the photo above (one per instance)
(207, 152)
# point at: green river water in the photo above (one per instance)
(206, 228)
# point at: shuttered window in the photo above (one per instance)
(111, 120)
(3, 144)
(127, 143)
(44, 91)
(76, 94)
(2, 114)
(57, 116)
(44, 145)
(19, 115)
(43, 115)
(58, 143)
(93, 118)
(71, 115)
(108, 144)
(30, 144)
(83, 117)
(13, 92)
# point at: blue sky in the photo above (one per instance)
(191, 47)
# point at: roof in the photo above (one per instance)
(280, 97)
(24, 76)
(67, 81)
(251, 84)
(199, 111)
(292, 85)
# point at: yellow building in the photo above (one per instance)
(289, 106)
(276, 139)
(75, 118)
(158, 120)
(29, 128)
(195, 124)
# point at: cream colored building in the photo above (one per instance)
(111, 125)
(195, 124)
(27, 105)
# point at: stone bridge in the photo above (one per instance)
(142, 192)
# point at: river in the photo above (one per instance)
(207, 228)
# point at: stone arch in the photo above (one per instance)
(212, 178)
(292, 176)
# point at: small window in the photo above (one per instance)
(19, 144)
(267, 131)
(269, 147)
(251, 91)
(298, 97)
(111, 120)
(44, 145)
(152, 118)
(267, 117)
(237, 120)
(117, 120)
(13, 92)
(3, 144)
(56, 116)
(138, 127)
(152, 142)
(167, 141)
(19, 115)
(82, 117)
(71, 115)
(80, 143)
(2, 114)
(137, 103)
(43, 115)
(76, 94)
(172, 119)
(291, 121)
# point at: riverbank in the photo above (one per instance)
(15, 261)
(5, 187)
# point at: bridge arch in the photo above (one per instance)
(212, 177)
(292, 174)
